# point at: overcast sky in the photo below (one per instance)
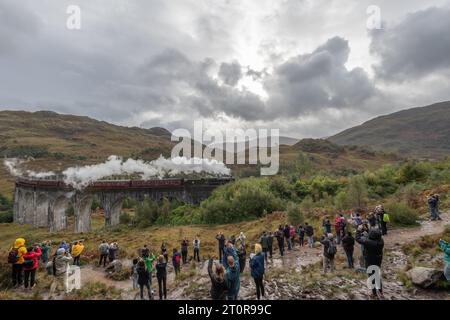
(308, 67)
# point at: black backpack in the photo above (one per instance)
(332, 249)
(13, 256)
(28, 263)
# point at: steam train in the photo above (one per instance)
(123, 184)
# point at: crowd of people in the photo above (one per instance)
(225, 273)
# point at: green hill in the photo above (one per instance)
(57, 141)
(418, 132)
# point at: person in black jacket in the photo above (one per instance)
(280, 240)
(287, 236)
(184, 250)
(143, 279)
(221, 239)
(373, 252)
(348, 243)
(242, 255)
(161, 275)
(309, 231)
(218, 283)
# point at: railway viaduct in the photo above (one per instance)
(44, 202)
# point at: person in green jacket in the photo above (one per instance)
(46, 247)
(149, 263)
(445, 246)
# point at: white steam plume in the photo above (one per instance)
(80, 177)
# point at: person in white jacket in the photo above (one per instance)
(196, 244)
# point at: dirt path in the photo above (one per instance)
(197, 286)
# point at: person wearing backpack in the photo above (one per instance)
(46, 247)
(373, 253)
(257, 270)
(103, 251)
(30, 265)
(143, 279)
(280, 239)
(15, 257)
(329, 252)
(176, 261)
(348, 243)
(309, 231)
(196, 245)
(161, 274)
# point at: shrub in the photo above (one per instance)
(401, 214)
(6, 216)
(125, 218)
(24, 151)
(281, 188)
(295, 214)
(241, 200)
(146, 213)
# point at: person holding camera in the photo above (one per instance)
(30, 265)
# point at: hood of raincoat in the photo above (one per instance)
(20, 242)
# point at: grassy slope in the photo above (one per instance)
(133, 238)
(420, 132)
(81, 140)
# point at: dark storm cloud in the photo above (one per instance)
(230, 73)
(318, 80)
(416, 47)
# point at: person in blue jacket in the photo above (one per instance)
(445, 246)
(232, 273)
(257, 270)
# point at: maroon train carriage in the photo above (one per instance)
(123, 184)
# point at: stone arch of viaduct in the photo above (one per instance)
(44, 203)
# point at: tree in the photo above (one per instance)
(357, 192)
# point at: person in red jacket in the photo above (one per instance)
(30, 265)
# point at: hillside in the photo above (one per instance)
(419, 132)
(58, 141)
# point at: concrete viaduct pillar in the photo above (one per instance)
(82, 204)
(112, 205)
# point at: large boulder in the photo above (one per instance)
(424, 277)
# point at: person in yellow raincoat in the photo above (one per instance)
(77, 249)
(16, 259)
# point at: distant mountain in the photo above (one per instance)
(418, 132)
